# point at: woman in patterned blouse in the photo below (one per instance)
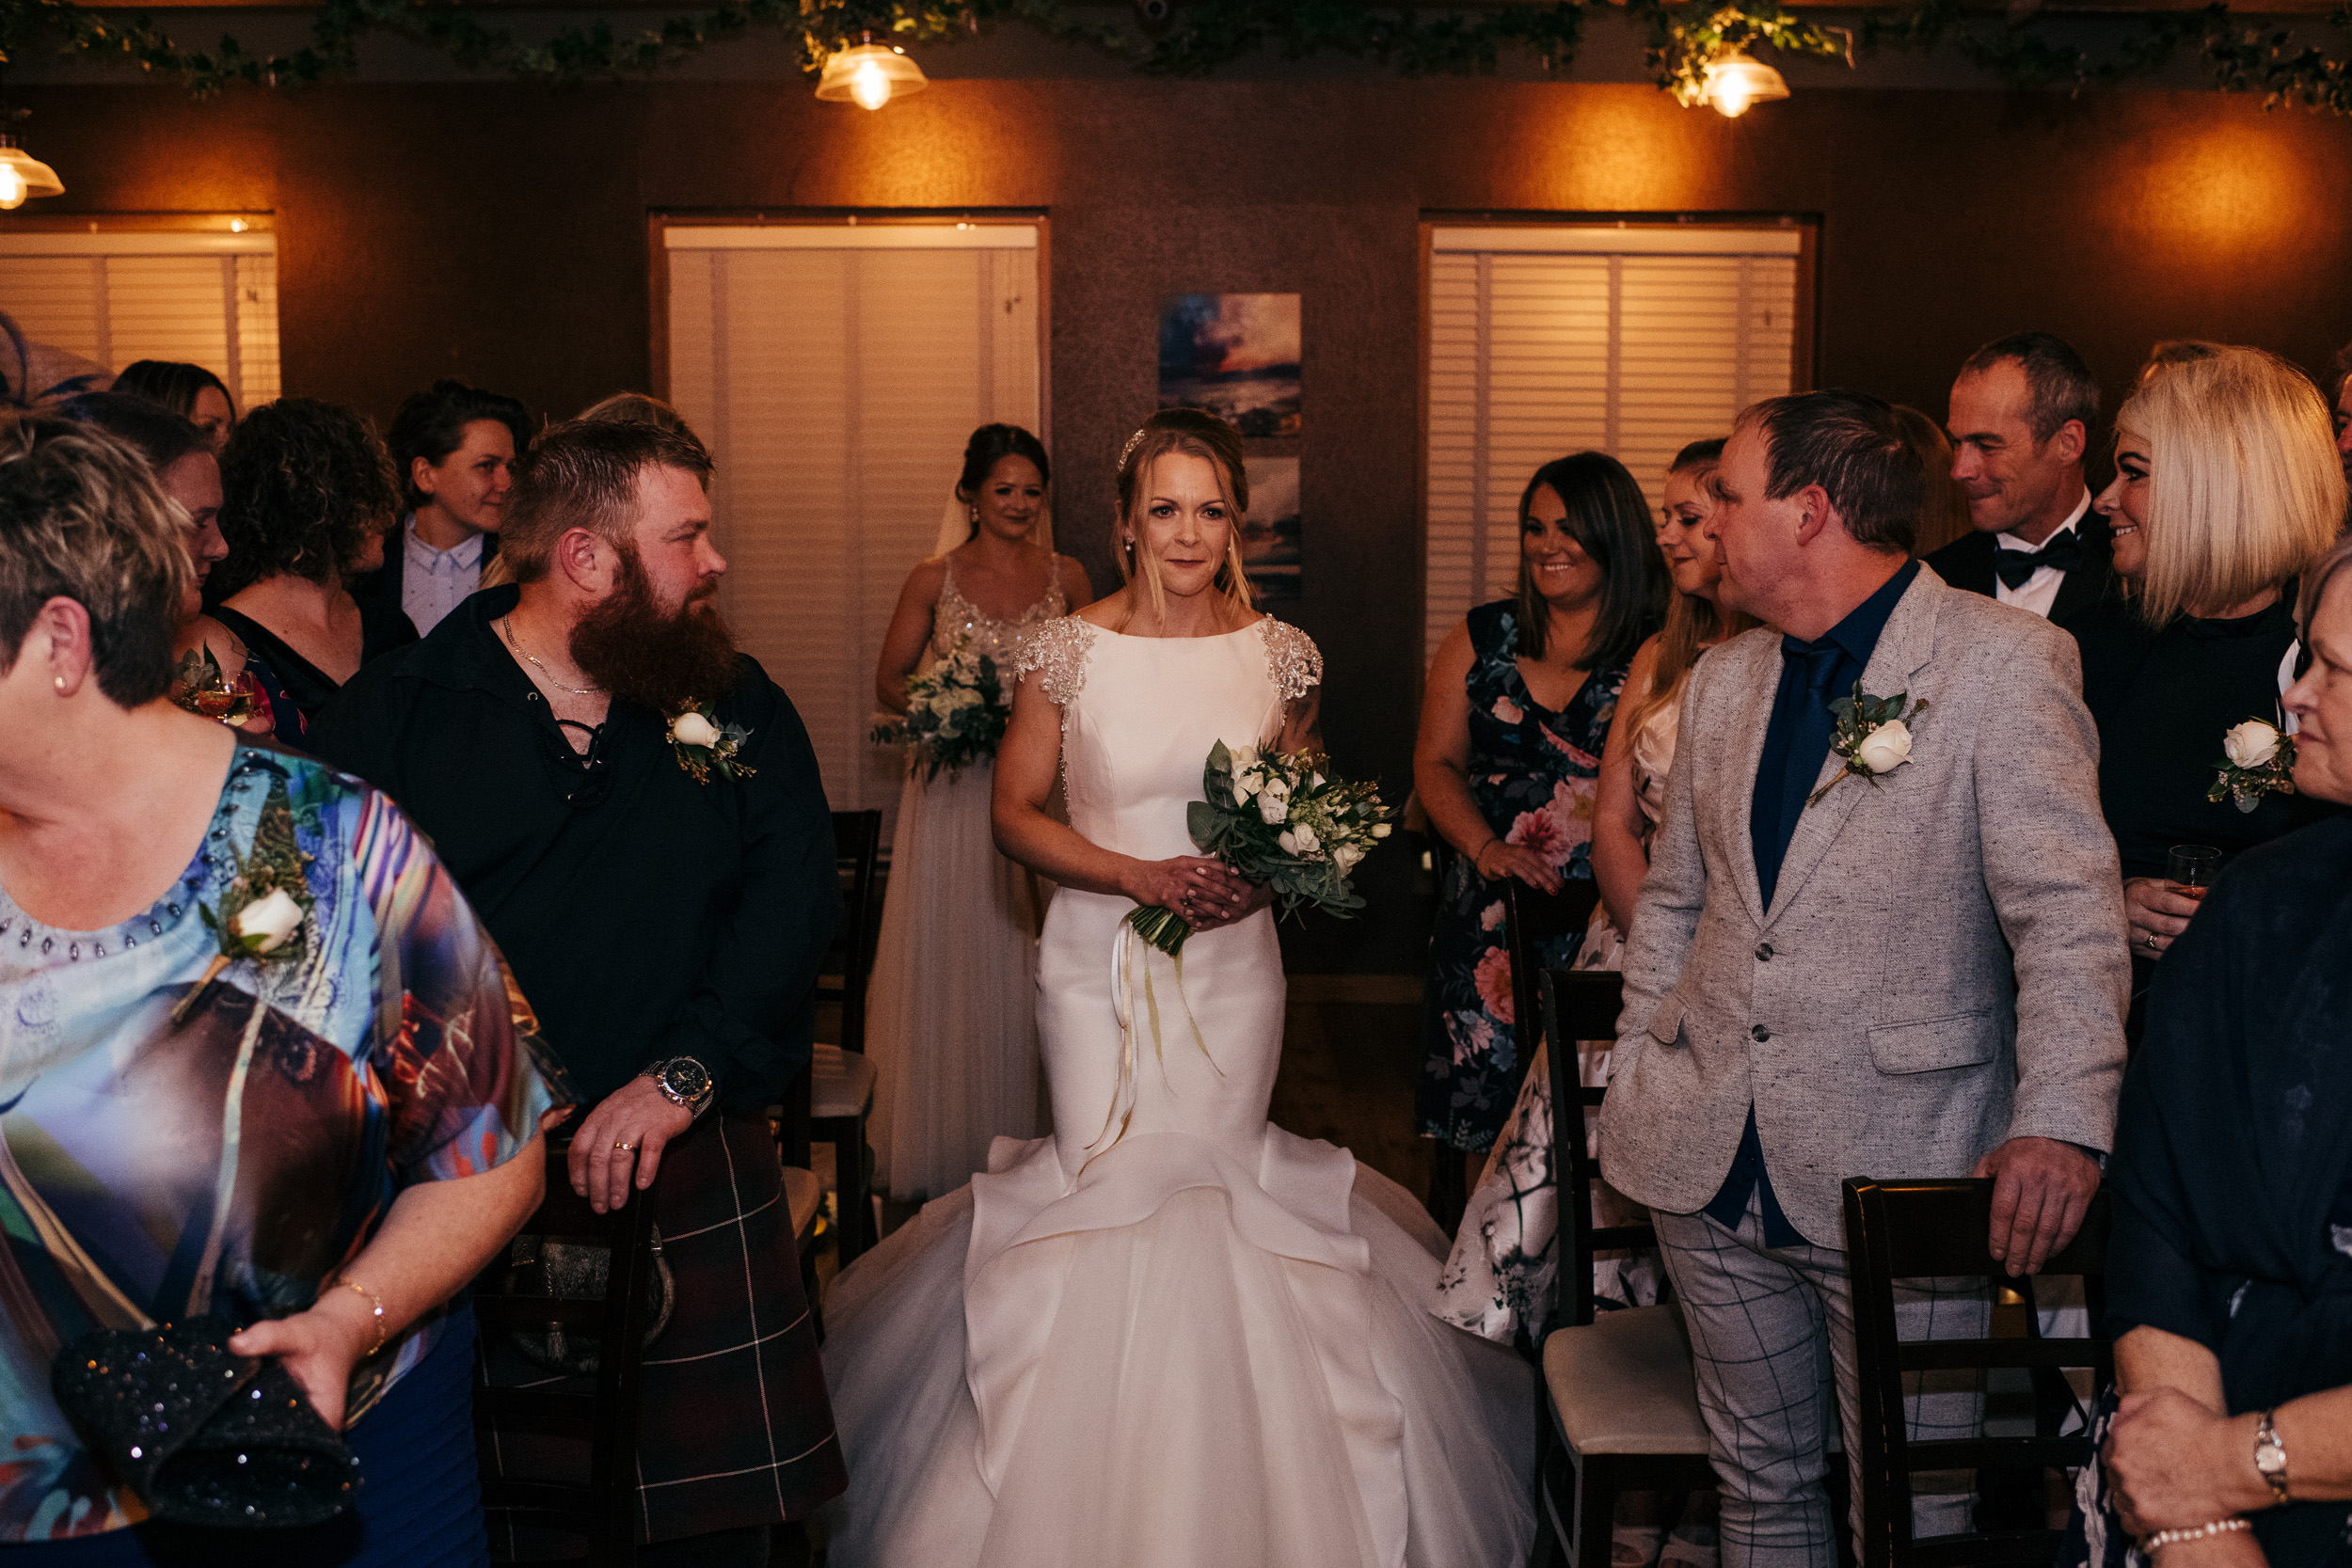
(321, 1143)
(1513, 722)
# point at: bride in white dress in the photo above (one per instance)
(1171, 1336)
(948, 1008)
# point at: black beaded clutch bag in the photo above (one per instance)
(202, 1435)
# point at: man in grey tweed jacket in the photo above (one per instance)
(1920, 975)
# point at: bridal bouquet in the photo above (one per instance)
(1282, 821)
(956, 714)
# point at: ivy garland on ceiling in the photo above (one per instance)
(1682, 39)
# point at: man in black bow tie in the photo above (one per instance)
(2022, 412)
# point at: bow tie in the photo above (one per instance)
(2013, 567)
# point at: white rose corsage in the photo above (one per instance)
(2256, 760)
(705, 746)
(1871, 736)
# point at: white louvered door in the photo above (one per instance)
(1546, 341)
(115, 296)
(837, 374)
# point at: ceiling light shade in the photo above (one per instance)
(869, 76)
(24, 176)
(1738, 81)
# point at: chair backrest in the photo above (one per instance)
(1580, 1004)
(857, 853)
(1532, 916)
(1940, 1229)
(605, 1509)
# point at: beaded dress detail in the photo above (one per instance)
(950, 1028)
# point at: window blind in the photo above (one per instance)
(837, 374)
(1546, 341)
(209, 299)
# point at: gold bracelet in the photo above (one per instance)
(2192, 1532)
(376, 1303)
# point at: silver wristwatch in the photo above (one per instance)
(683, 1080)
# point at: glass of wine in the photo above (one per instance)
(2192, 866)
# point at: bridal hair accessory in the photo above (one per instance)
(2256, 760)
(1129, 450)
(705, 746)
(1870, 736)
(265, 908)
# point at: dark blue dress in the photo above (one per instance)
(1534, 774)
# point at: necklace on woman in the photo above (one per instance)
(507, 626)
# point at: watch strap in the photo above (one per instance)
(2270, 1458)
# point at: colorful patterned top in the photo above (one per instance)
(150, 1171)
(1534, 775)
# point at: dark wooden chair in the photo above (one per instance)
(1923, 1229)
(803, 1192)
(1621, 1410)
(841, 1080)
(604, 1509)
(1532, 917)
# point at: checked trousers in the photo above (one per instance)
(1771, 1334)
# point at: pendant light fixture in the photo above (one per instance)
(1738, 81)
(869, 76)
(24, 176)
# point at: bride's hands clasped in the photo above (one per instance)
(1207, 892)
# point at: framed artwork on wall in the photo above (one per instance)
(1235, 356)
(1269, 543)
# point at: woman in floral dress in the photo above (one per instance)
(1519, 704)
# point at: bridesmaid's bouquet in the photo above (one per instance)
(1282, 821)
(956, 714)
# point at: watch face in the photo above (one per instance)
(686, 1078)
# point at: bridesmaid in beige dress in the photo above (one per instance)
(949, 1012)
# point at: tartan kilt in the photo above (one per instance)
(735, 1427)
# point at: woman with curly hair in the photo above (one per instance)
(307, 498)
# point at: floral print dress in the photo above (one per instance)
(1534, 774)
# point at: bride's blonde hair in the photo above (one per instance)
(1194, 434)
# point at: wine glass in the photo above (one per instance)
(2192, 867)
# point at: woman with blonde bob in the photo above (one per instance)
(1170, 1308)
(2226, 491)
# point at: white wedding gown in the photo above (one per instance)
(1199, 1341)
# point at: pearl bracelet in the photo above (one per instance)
(2192, 1532)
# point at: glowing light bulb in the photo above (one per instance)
(869, 85)
(13, 190)
(1732, 101)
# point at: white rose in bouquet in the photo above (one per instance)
(1246, 783)
(1885, 748)
(691, 729)
(265, 924)
(1274, 802)
(1346, 857)
(1300, 840)
(2251, 744)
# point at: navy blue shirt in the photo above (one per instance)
(1796, 743)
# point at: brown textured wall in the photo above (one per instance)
(500, 232)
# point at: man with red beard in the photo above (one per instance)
(664, 907)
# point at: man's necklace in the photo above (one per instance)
(507, 626)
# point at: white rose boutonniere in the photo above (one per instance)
(1871, 736)
(706, 746)
(264, 907)
(2256, 760)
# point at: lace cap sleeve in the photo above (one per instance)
(1292, 659)
(1058, 649)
